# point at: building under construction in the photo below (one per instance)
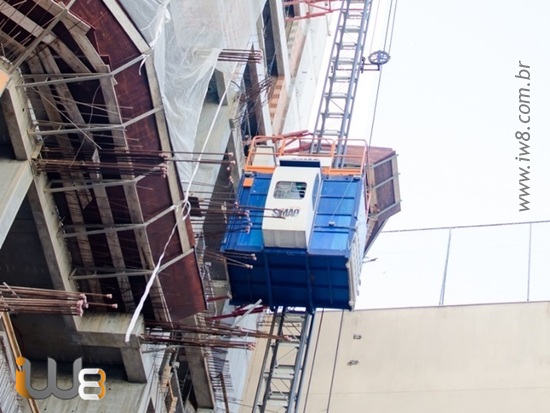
(124, 128)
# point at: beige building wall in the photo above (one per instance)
(483, 358)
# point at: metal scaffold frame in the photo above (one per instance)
(284, 362)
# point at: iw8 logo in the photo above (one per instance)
(23, 382)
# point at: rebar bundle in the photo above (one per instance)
(109, 161)
(211, 334)
(45, 301)
(123, 168)
(198, 342)
(240, 55)
(252, 95)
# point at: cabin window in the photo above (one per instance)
(290, 190)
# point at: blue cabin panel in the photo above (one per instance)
(316, 277)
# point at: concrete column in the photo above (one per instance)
(200, 377)
(15, 179)
(108, 330)
(279, 36)
(16, 112)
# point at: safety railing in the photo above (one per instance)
(265, 153)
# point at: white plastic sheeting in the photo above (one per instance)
(186, 37)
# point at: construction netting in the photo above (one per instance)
(186, 38)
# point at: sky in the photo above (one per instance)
(449, 105)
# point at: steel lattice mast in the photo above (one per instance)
(346, 64)
(282, 373)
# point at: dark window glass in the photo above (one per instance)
(290, 190)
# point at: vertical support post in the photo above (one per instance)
(529, 264)
(281, 377)
(444, 282)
